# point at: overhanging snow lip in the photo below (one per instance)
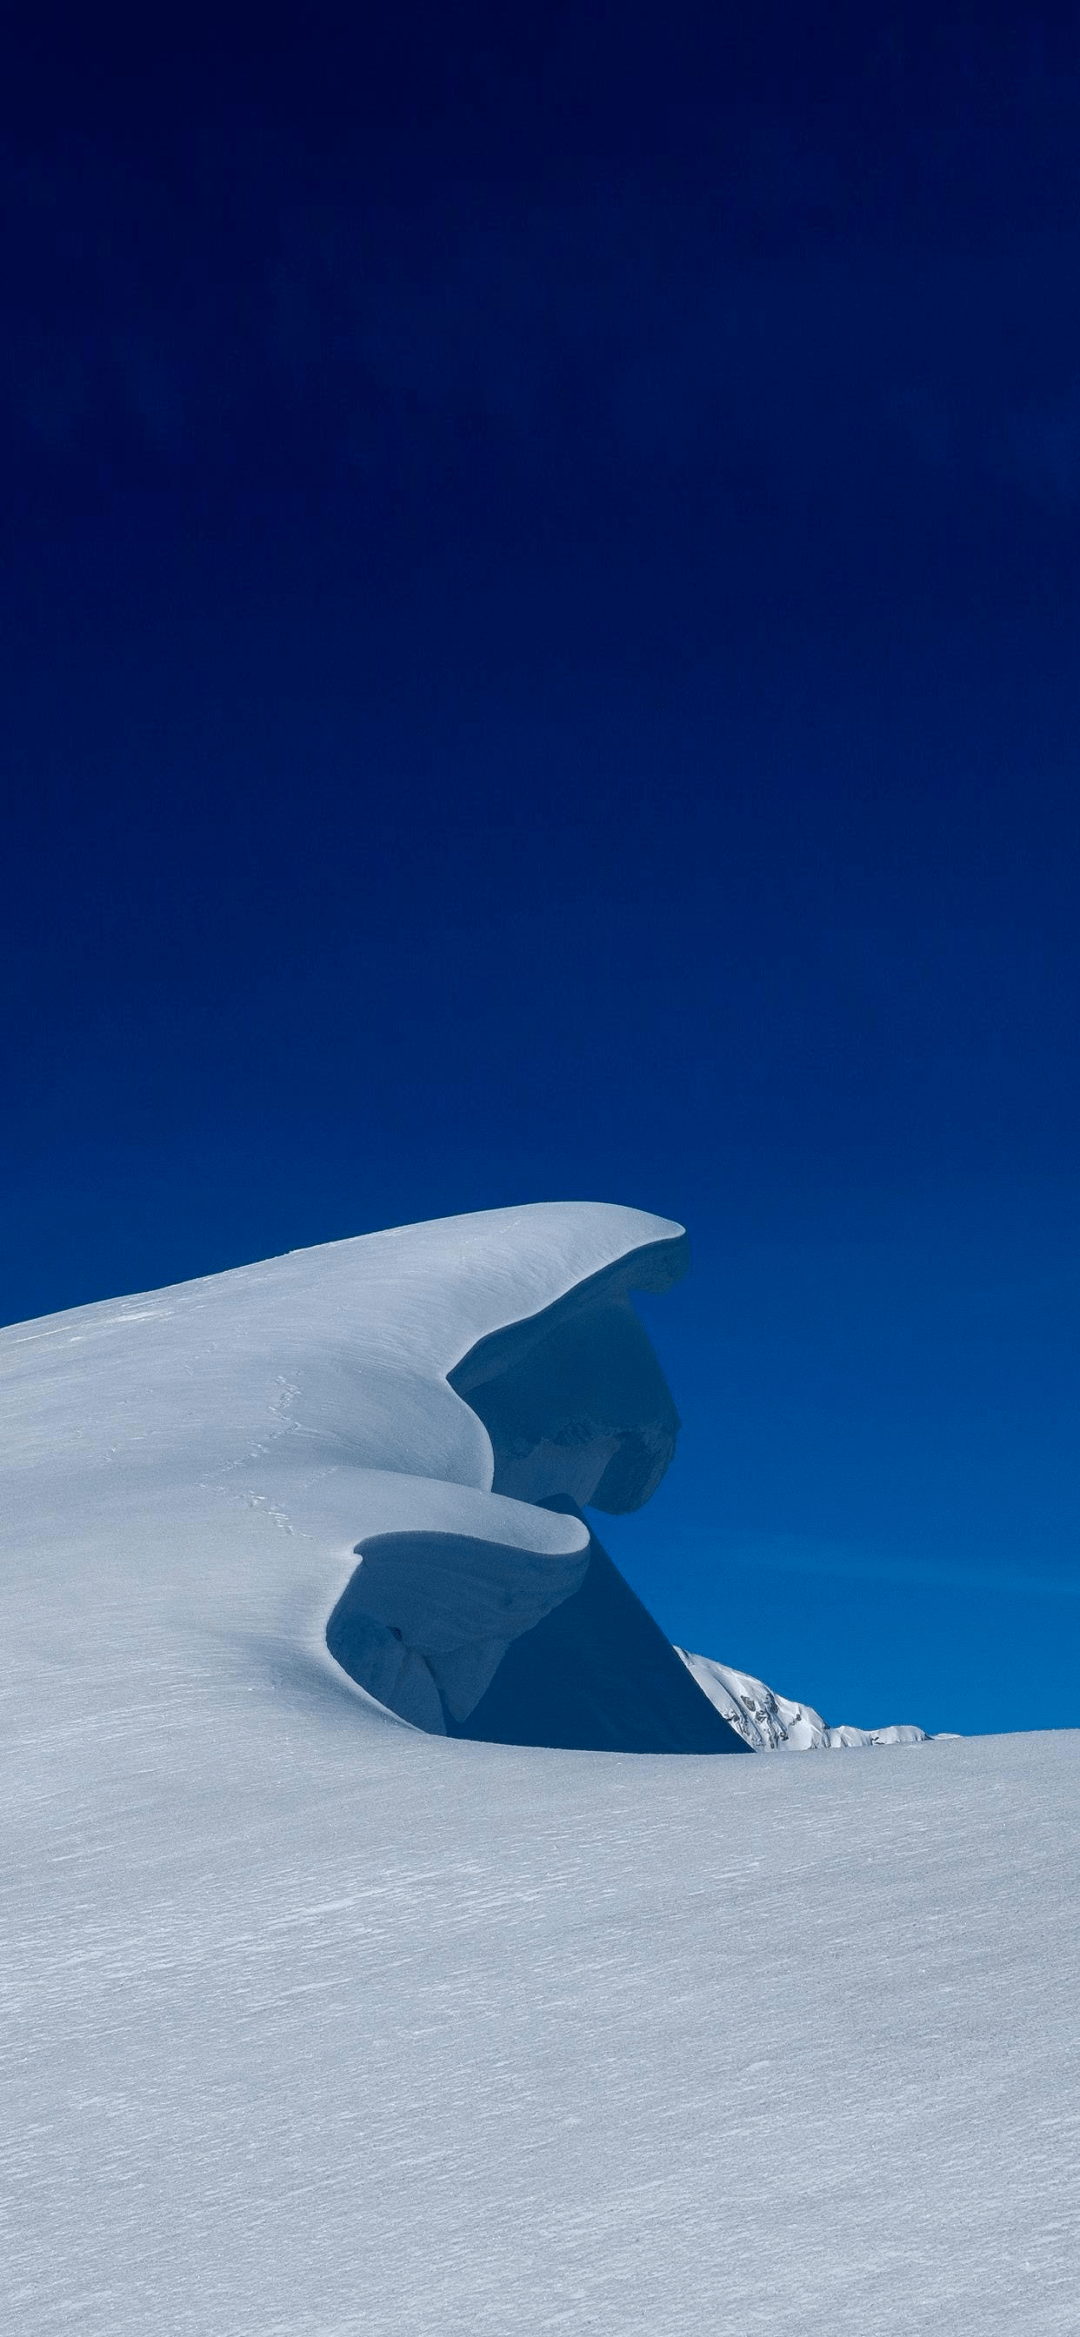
(649, 1266)
(595, 1420)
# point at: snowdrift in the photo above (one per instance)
(374, 1455)
(491, 1641)
(418, 1418)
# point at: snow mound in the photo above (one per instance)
(477, 1639)
(773, 1724)
(367, 1457)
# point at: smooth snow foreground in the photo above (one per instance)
(319, 2022)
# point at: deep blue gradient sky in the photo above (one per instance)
(541, 661)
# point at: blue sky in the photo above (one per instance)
(542, 662)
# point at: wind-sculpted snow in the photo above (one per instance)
(769, 1723)
(489, 1640)
(369, 1456)
(317, 2023)
(573, 1399)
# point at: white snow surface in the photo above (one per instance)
(316, 2025)
(775, 1724)
(202, 1465)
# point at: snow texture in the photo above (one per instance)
(772, 1724)
(320, 2024)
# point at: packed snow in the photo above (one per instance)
(322, 2017)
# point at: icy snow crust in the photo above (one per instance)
(769, 1723)
(319, 2024)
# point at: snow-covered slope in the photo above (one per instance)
(316, 2023)
(769, 1723)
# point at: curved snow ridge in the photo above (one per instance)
(376, 1451)
(572, 1397)
(517, 1629)
(348, 1348)
(774, 1724)
(431, 1401)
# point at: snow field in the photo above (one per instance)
(317, 2025)
(393, 2034)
